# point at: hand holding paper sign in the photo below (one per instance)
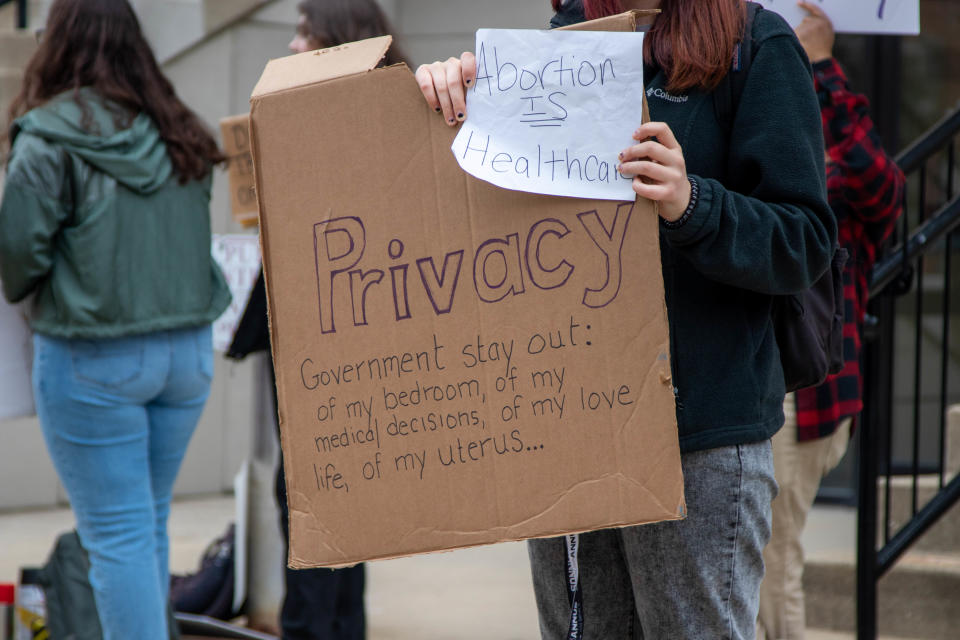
(548, 110)
(443, 85)
(661, 162)
(521, 94)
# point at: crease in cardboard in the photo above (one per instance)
(304, 520)
(669, 512)
(656, 374)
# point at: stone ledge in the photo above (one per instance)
(917, 598)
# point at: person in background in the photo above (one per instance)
(318, 603)
(105, 221)
(740, 222)
(329, 23)
(865, 189)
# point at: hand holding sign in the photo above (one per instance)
(816, 33)
(856, 16)
(548, 111)
(443, 84)
(659, 167)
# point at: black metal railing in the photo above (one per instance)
(21, 12)
(910, 352)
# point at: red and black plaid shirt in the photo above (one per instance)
(865, 190)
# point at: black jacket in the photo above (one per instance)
(761, 227)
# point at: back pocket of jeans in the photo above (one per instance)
(108, 363)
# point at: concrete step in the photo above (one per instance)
(16, 47)
(174, 26)
(918, 598)
(943, 537)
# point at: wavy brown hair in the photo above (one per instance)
(331, 23)
(99, 44)
(693, 41)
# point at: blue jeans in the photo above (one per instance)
(691, 579)
(117, 416)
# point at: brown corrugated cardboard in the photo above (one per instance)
(236, 146)
(457, 364)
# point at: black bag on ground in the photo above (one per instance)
(209, 591)
(71, 608)
(809, 328)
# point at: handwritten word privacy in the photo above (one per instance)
(502, 267)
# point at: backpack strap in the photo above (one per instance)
(726, 97)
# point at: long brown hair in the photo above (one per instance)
(693, 41)
(331, 23)
(99, 44)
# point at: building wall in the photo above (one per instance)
(214, 70)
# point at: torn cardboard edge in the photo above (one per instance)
(313, 67)
(638, 17)
(297, 563)
(295, 76)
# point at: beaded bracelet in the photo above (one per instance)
(694, 197)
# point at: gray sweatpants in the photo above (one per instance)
(689, 579)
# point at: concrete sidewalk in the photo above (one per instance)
(469, 594)
(474, 593)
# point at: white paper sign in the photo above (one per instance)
(550, 111)
(239, 258)
(857, 16)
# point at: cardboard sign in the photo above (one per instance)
(457, 364)
(236, 146)
(550, 110)
(858, 16)
(239, 259)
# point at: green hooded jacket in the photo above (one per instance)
(94, 221)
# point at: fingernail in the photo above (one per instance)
(451, 120)
(620, 155)
(459, 116)
(437, 109)
(467, 82)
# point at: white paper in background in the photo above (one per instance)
(857, 16)
(550, 111)
(16, 363)
(241, 494)
(239, 258)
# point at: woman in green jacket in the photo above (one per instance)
(740, 184)
(105, 222)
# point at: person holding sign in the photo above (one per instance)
(105, 221)
(865, 189)
(737, 166)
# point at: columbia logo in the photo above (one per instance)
(665, 95)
